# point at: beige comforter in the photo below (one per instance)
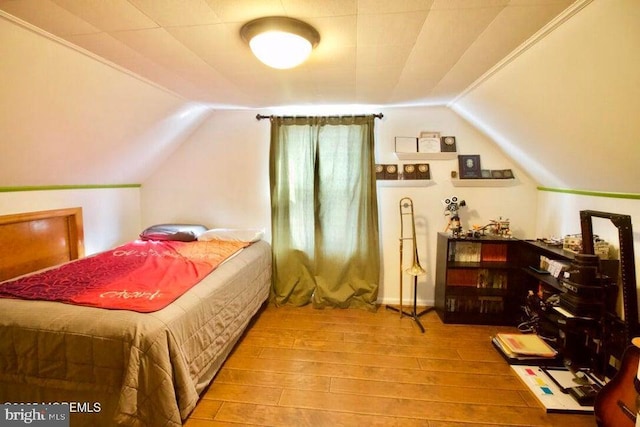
(125, 368)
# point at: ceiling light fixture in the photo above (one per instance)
(279, 41)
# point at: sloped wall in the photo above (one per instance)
(566, 108)
(68, 118)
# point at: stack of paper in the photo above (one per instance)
(517, 345)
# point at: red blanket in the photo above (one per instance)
(142, 276)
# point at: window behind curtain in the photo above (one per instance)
(324, 212)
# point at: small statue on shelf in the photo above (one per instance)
(451, 207)
(499, 227)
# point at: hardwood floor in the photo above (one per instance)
(307, 367)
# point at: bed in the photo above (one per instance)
(117, 367)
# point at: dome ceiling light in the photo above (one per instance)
(279, 41)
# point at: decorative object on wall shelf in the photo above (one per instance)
(448, 144)
(416, 171)
(405, 144)
(485, 173)
(497, 174)
(428, 146)
(429, 142)
(430, 134)
(391, 172)
(501, 174)
(425, 156)
(409, 172)
(386, 171)
(424, 172)
(469, 166)
(413, 173)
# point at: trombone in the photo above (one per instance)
(415, 270)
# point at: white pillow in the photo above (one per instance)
(234, 234)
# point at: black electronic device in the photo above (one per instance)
(585, 395)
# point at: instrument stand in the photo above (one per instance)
(413, 314)
(406, 209)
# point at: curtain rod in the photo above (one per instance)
(261, 117)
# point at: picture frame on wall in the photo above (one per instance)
(430, 134)
(386, 171)
(448, 144)
(409, 171)
(469, 166)
(428, 145)
(406, 144)
(497, 174)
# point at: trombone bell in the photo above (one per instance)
(416, 270)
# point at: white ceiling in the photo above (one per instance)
(380, 52)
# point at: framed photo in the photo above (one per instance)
(485, 173)
(428, 145)
(409, 172)
(448, 144)
(391, 172)
(406, 144)
(386, 171)
(497, 174)
(469, 166)
(507, 174)
(430, 134)
(423, 171)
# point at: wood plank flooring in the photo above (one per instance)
(307, 367)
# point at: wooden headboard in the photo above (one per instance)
(34, 240)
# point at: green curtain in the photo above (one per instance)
(324, 212)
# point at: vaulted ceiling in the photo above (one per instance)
(113, 87)
(378, 52)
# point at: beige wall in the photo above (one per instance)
(559, 215)
(561, 113)
(111, 216)
(220, 177)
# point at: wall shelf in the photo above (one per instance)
(483, 182)
(426, 156)
(404, 183)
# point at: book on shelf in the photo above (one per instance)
(465, 252)
(462, 277)
(494, 252)
(491, 304)
(525, 345)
